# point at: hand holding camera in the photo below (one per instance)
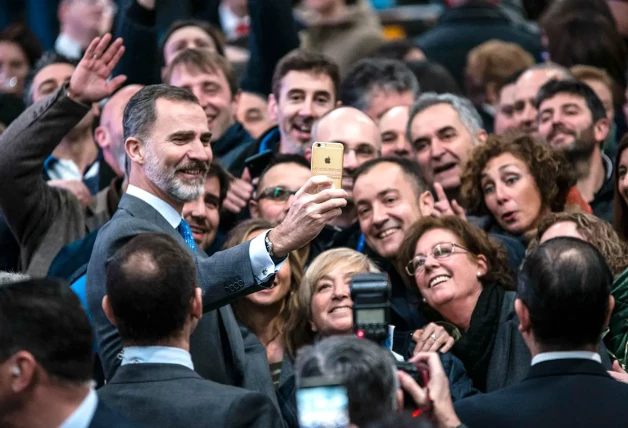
(434, 400)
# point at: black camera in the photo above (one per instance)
(370, 293)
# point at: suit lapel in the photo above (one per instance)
(140, 209)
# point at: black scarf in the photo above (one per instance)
(475, 347)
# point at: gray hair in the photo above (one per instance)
(7, 278)
(140, 114)
(469, 116)
(565, 73)
(375, 73)
(366, 369)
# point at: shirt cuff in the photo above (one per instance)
(263, 266)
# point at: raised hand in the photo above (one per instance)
(89, 82)
(314, 205)
(443, 207)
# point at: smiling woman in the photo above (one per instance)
(515, 179)
(464, 279)
(266, 312)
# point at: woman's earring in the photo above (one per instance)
(424, 301)
(479, 274)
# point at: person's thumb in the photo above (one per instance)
(246, 175)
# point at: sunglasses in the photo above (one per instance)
(276, 194)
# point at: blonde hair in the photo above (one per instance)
(495, 61)
(298, 331)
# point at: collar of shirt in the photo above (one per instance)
(165, 209)
(230, 21)
(83, 415)
(156, 355)
(68, 47)
(66, 169)
(581, 355)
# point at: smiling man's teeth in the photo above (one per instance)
(387, 232)
(438, 280)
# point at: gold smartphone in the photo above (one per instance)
(327, 159)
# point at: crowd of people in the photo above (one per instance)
(167, 258)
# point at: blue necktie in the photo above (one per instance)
(186, 232)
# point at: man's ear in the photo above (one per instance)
(492, 95)
(102, 138)
(273, 107)
(481, 136)
(601, 130)
(196, 306)
(106, 307)
(254, 208)
(611, 306)
(525, 326)
(135, 150)
(308, 154)
(426, 204)
(234, 102)
(338, 103)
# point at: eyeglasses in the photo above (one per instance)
(276, 194)
(439, 252)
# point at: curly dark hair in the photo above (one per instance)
(549, 168)
(475, 240)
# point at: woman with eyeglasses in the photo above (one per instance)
(513, 180)
(464, 280)
(324, 308)
(266, 312)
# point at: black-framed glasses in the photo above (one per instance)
(276, 194)
(439, 252)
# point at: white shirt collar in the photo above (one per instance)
(68, 47)
(164, 208)
(230, 21)
(581, 355)
(83, 415)
(156, 355)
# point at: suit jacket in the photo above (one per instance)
(510, 360)
(217, 344)
(568, 393)
(43, 219)
(171, 395)
(104, 417)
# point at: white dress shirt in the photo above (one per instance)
(156, 355)
(567, 355)
(83, 415)
(263, 265)
(68, 47)
(230, 21)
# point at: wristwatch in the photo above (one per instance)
(269, 245)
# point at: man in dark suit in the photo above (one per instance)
(564, 304)
(46, 360)
(168, 150)
(153, 299)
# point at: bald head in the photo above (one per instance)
(109, 135)
(356, 131)
(526, 88)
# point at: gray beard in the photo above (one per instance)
(169, 183)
